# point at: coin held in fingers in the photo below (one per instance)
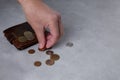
(42, 49)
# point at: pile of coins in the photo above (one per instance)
(53, 57)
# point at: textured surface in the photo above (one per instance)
(92, 25)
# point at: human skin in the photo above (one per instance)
(40, 16)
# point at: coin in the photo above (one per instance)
(42, 49)
(49, 48)
(49, 52)
(69, 44)
(37, 63)
(22, 39)
(29, 35)
(55, 57)
(50, 62)
(31, 51)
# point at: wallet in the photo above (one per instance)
(21, 36)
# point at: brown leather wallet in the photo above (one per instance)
(21, 36)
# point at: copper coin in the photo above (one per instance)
(55, 57)
(50, 62)
(69, 44)
(42, 49)
(49, 52)
(49, 48)
(37, 63)
(31, 51)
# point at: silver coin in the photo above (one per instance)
(22, 39)
(69, 44)
(29, 35)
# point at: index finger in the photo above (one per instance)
(54, 34)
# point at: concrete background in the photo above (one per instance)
(92, 25)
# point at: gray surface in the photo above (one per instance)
(92, 25)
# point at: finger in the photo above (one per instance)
(39, 30)
(61, 27)
(54, 34)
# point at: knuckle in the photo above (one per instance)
(59, 15)
(55, 16)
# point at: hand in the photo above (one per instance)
(40, 17)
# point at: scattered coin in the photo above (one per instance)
(37, 63)
(29, 35)
(22, 39)
(50, 62)
(69, 44)
(55, 57)
(49, 52)
(31, 51)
